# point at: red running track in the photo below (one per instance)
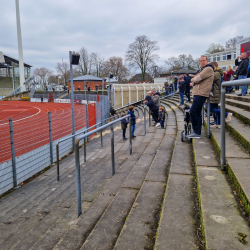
(31, 126)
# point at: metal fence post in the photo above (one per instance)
(87, 117)
(13, 152)
(208, 117)
(57, 161)
(222, 130)
(112, 149)
(50, 139)
(78, 178)
(130, 135)
(145, 130)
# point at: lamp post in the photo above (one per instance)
(73, 60)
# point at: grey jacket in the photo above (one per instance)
(156, 99)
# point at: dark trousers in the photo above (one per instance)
(124, 133)
(214, 108)
(155, 116)
(195, 113)
(175, 86)
(187, 93)
(162, 123)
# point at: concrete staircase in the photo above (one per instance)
(166, 195)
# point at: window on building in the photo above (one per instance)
(209, 58)
(218, 58)
(234, 55)
(234, 67)
(214, 58)
(224, 68)
(224, 57)
(229, 56)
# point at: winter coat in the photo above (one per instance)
(156, 99)
(203, 81)
(161, 115)
(151, 104)
(242, 66)
(182, 86)
(133, 117)
(216, 86)
(187, 80)
(124, 123)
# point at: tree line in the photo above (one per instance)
(140, 55)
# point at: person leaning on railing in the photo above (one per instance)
(202, 83)
(215, 96)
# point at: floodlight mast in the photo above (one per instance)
(20, 48)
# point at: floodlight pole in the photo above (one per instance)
(20, 48)
(72, 98)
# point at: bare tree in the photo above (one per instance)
(98, 64)
(86, 62)
(42, 74)
(214, 48)
(52, 79)
(140, 54)
(63, 70)
(115, 65)
(231, 43)
(174, 63)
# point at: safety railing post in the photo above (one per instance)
(87, 117)
(112, 149)
(50, 139)
(208, 117)
(145, 130)
(149, 118)
(130, 135)
(57, 162)
(78, 178)
(85, 149)
(222, 130)
(13, 152)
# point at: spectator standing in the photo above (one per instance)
(133, 120)
(124, 124)
(166, 85)
(153, 108)
(187, 80)
(96, 87)
(202, 82)
(88, 88)
(175, 82)
(162, 116)
(156, 97)
(215, 96)
(181, 90)
(242, 70)
(79, 88)
(235, 75)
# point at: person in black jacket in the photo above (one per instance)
(242, 70)
(162, 116)
(153, 108)
(181, 90)
(175, 82)
(187, 80)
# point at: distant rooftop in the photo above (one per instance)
(9, 59)
(87, 78)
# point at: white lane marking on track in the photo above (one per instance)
(25, 117)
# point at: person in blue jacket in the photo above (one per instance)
(133, 120)
(153, 108)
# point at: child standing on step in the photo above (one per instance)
(124, 124)
(133, 120)
(162, 116)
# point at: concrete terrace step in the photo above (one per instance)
(178, 208)
(67, 204)
(222, 223)
(238, 98)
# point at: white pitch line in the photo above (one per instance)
(25, 117)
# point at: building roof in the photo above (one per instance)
(9, 59)
(179, 71)
(86, 78)
(138, 78)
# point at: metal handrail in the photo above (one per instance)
(241, 82)
(77, 156)
(74, 135)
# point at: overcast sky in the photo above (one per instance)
(50, 28)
